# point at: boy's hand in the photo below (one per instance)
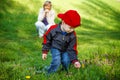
(44, 56)
(77, 65)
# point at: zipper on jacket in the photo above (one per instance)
(63, 34)
(63, 38)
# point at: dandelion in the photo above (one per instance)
(83, 65)
(27, 77)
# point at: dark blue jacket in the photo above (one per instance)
(54, 38)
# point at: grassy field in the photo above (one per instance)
(98, 40)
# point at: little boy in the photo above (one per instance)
(61, 40)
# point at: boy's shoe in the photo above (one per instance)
(45, 69)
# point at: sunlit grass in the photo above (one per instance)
(98, 40)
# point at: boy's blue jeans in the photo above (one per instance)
(57, 59)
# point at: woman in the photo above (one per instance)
(45, 18)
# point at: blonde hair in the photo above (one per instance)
(46, 3)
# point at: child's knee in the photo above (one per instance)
(56, 61)
(65, 61)
(39, 24)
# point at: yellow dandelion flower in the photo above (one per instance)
(83, 65)
(27, 77)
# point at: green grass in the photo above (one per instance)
(98, 40)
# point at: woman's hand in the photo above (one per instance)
(46, 10)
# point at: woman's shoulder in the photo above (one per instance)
(41, 9)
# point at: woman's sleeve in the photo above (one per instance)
(53, 16)
(41, 15)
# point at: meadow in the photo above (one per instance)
(98, 40)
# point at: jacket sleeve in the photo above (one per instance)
(47, 39)
(72, 49)
(46, 42)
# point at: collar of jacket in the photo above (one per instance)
(59, 29)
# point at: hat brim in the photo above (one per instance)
(60, 15)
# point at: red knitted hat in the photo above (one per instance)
(71, 17)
